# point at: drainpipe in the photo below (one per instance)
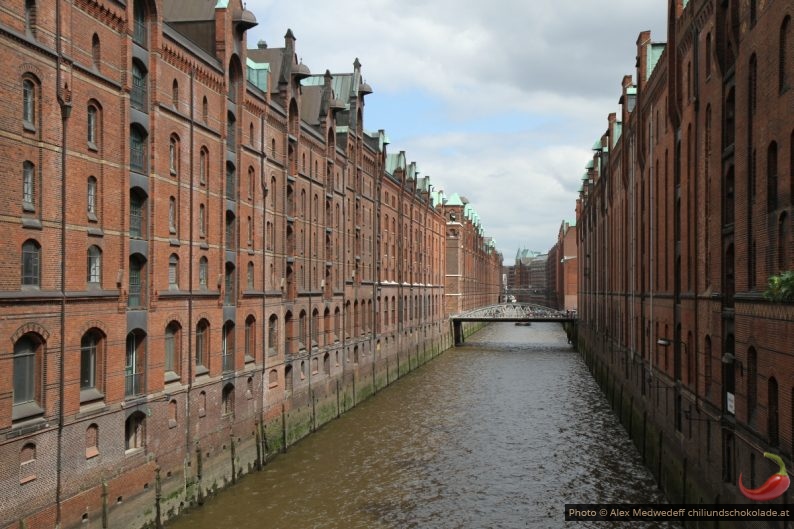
(66, 110)
(188, 451)
(696, 104)
(263, 180)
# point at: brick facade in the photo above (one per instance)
(207, 256)
(684, 214)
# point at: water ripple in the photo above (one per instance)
(500, 433)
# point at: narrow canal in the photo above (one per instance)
(501, 432)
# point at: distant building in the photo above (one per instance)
(562, 269)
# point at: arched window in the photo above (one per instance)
(771, 176)
(251, 182)
(175, 94)
(230, 296)
(96, 51)
(27, 463)
(786, 57)
(203, 272)
(140, 33)
(231, 139)
(135, 366)
(752, 383)
(173, 155)
(172, 215)
(337, 324)
(173, 271)
(203, 165)
(272, 192)
(94, 266)
(708, 55)
(92, 353)
(92, 127)
(326, 364)
(204, 110)
(137, 286)
(31, 264)
(202, 346)
(28, 353)
(91, 441)
(302, 338)
(134, 431)
(28, 186)
(202, 221)
(139, 95)
(231, 181)
(138, 149)
(138, 227)
(250, 338)
(29, 99)
(227, 346)
(30, 17)
(227, 400)
(230, 231)
(250, 275)
(272, 334)
(288, 379)
(782, 242)
(173, 350)
(773, 409)
(91, 198)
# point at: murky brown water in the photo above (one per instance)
(500, 433)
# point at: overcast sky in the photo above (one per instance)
(499, 101)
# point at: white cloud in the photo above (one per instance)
(549, 71)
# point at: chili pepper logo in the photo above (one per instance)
(774, 487)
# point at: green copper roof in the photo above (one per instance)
(222, 4)
(454, 200)
(618, 131)
(257, 73)
(654, 53)
(394, 162)
(597, 145)
(589, 164)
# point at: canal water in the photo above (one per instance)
(499, 433)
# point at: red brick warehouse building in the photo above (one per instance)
(207, 256)
(685, 213)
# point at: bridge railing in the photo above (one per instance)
(514, 311)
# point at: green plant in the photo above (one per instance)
(781, 287)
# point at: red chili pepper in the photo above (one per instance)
(774, 487)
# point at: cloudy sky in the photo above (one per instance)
(499, 101)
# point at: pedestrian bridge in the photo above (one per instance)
(509, 312)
